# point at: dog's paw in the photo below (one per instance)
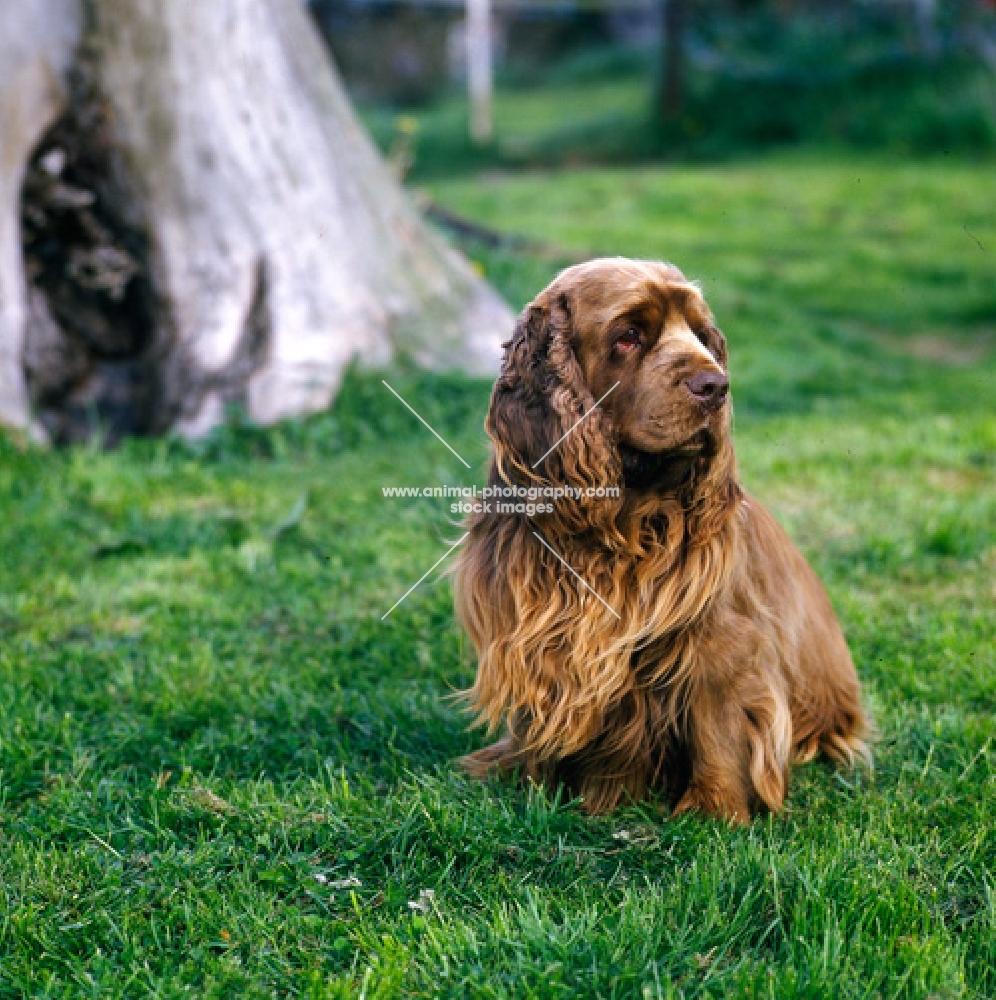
(499, 758)
(716, 803)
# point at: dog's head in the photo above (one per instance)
(636, 338)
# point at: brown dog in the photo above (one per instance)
(694, 651)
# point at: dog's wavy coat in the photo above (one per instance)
(710, 658)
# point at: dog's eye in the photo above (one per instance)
(629, 340)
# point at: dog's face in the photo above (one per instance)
(641, 327)
(635, 335)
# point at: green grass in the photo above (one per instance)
(812, 91)
(593, 119)
(223, 775)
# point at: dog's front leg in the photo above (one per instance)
(719, 782)
(738, 742)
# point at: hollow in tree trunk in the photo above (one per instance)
(191, 216)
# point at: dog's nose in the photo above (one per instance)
(709, 388)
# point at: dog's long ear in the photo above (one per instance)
(539, 397)
(521, 420)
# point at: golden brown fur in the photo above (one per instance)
(725, 662)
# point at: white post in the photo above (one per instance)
(479, 73)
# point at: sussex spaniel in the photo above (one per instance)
(694, 651)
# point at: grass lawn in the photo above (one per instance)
(595, 118)
(223, 775)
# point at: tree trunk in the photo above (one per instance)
(673, 82)
(480, 83)
(37, 40)
(204, 222)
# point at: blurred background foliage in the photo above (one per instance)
(583, 82)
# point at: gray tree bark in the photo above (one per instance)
(37, 40)
(204, 222)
